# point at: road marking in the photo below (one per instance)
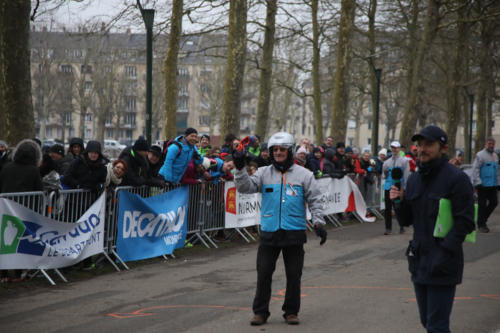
(145, 312)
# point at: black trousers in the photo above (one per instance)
(434, 306)
(487, 201)
(293, 257)
(388, 211)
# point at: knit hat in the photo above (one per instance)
(301, 150)
(58, 149)
(141, 145)
(76, 141)
(340, 145)
(190, 130)
(348, 150)
(383, 151)
(263, 146)
(156, 150)
(3, 143)
(93, 146)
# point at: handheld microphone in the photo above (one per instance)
(396, 175)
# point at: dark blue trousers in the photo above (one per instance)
(293, 257)
(434, 305)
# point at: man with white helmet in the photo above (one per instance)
(286, 188)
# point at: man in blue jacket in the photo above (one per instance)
(486, 179)
(179, 154)
(286, 188)
(436, 264)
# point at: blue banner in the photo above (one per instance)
(151, 227)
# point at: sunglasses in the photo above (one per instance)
(281, 149)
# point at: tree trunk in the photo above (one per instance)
(265, 84)
(373, 78)
(170, 70)
(341, 91)
(318, 113)
(411, 113)
(15, 81)
(453, 118)
(485, 66)
(235, 68)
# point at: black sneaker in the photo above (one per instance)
(484, 229)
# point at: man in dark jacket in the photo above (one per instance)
(436, 264)
(22, 174)
(339, 158)
(88, 170)
(155, 162)
(75, 149)
(136, 158)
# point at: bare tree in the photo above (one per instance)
(233, 82)
(15, 81)
(341, 91)
(266, 70)
(170, 70)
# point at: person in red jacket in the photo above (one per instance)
(412, 158)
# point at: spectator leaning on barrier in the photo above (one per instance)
(368, 165)
(155, 163)
(315, 161)
(179, 154)
(88, 170)
(285, 188)
(300, 156)
(205, 146)
(228, 143)
(263, 159)
(352, 162)
(75, 149)
(339, 158)
(486, 180)
(4, 153)
(254, 146)
(329, 166)
(411, 155)
(21, 175)
(56, 152)
(395, 161)
(379, 162)
(136, 158)
(436, 264)
(115, 171)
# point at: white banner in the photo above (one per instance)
(341, 195)
(242, 209)
(31, 241)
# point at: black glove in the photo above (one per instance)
(239, 159)
(320, 232)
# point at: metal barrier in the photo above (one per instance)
(206, 212)
(36, 201)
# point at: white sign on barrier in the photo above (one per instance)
(31, 241)
(241, 209)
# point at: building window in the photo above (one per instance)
(67, 118)
(130, 103)
(370, 125)
(120, 134)
(183, 91)
(130, 119)
(131, 71)
(351, 124)
(369, 141)
(40, 68)
(88, 133)
(109, 133)
(183, 72)
(351, 141)
(129, 134)
(204, 121)
(88, 117)
(66, 69)
(109, 119)
(86, 69)
(88, 85)
(182, 104)
(48, 132)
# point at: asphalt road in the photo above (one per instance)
(357, 282)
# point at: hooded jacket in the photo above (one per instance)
(137, 168)
(22, 174)
(174, 166)
(84, 173)
(485, 169)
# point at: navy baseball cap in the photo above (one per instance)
(431, 133)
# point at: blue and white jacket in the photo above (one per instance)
(175, 166)
(284, 196)
(485, 169)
